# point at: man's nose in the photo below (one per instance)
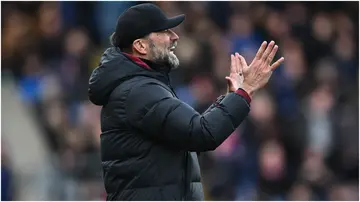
(174, 36)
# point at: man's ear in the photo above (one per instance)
(140, 46)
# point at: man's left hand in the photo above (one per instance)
(236, 76)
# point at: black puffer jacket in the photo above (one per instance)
(149, 137)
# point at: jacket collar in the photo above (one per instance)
(161, 70)
(147, 64)
(137, 60)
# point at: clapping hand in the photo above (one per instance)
(255, 76)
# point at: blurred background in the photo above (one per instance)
(300, 141)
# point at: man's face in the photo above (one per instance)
(161, 46)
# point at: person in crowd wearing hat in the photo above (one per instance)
(150, 138)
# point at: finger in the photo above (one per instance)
(233, 63)
(243, 64)
(238, 63)
(268, 50)
(272, 54)
(277, 63)
(261, 50)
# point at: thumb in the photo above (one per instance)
(229, 80)
(229, 84)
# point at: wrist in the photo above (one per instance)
(248, 89)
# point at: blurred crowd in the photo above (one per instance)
(300, 141)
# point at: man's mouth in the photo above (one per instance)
(172, 48)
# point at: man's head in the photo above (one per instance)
(144, 31)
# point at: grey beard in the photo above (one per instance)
(164, 57)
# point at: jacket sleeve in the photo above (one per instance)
(219, 99)
(153, 110)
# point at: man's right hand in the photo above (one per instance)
(258, 73)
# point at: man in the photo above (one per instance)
(149, 137)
